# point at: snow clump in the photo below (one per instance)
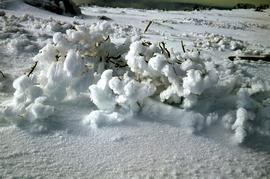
(219, 42)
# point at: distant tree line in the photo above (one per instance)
(252, 6)
(157, 4)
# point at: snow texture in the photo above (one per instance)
(106, 92)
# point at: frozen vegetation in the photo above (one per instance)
(120, 78)
(103, 76)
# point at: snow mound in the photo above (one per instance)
(222, 43)
(137, 77)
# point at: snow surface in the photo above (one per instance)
(87, 98)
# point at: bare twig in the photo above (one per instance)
(147, 27)
(183, 46)
(32, 69)
(162, 46)
(111, 58)
(3, 75)
(146, 43)
(114, 58)
(140, 106)
(108, 37)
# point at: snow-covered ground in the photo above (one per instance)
(85, 98)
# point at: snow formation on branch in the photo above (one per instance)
(138, 77)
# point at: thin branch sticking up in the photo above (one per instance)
(32, 69)
(162, 46)
(147, 27)
(3, 75)
(183, 46)
(140, 106)
(108, 37)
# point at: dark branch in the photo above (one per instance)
(32, 69)
(112, 58)
(162, 45)
(146, 43)
(147, 27)
(108, 37)
(3, 75)
(253, 58)
(183, 46)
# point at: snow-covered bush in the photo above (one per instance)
(64, 70)
(124, 79)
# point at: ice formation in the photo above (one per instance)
(124, 80)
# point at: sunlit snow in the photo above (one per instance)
(124, 103)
